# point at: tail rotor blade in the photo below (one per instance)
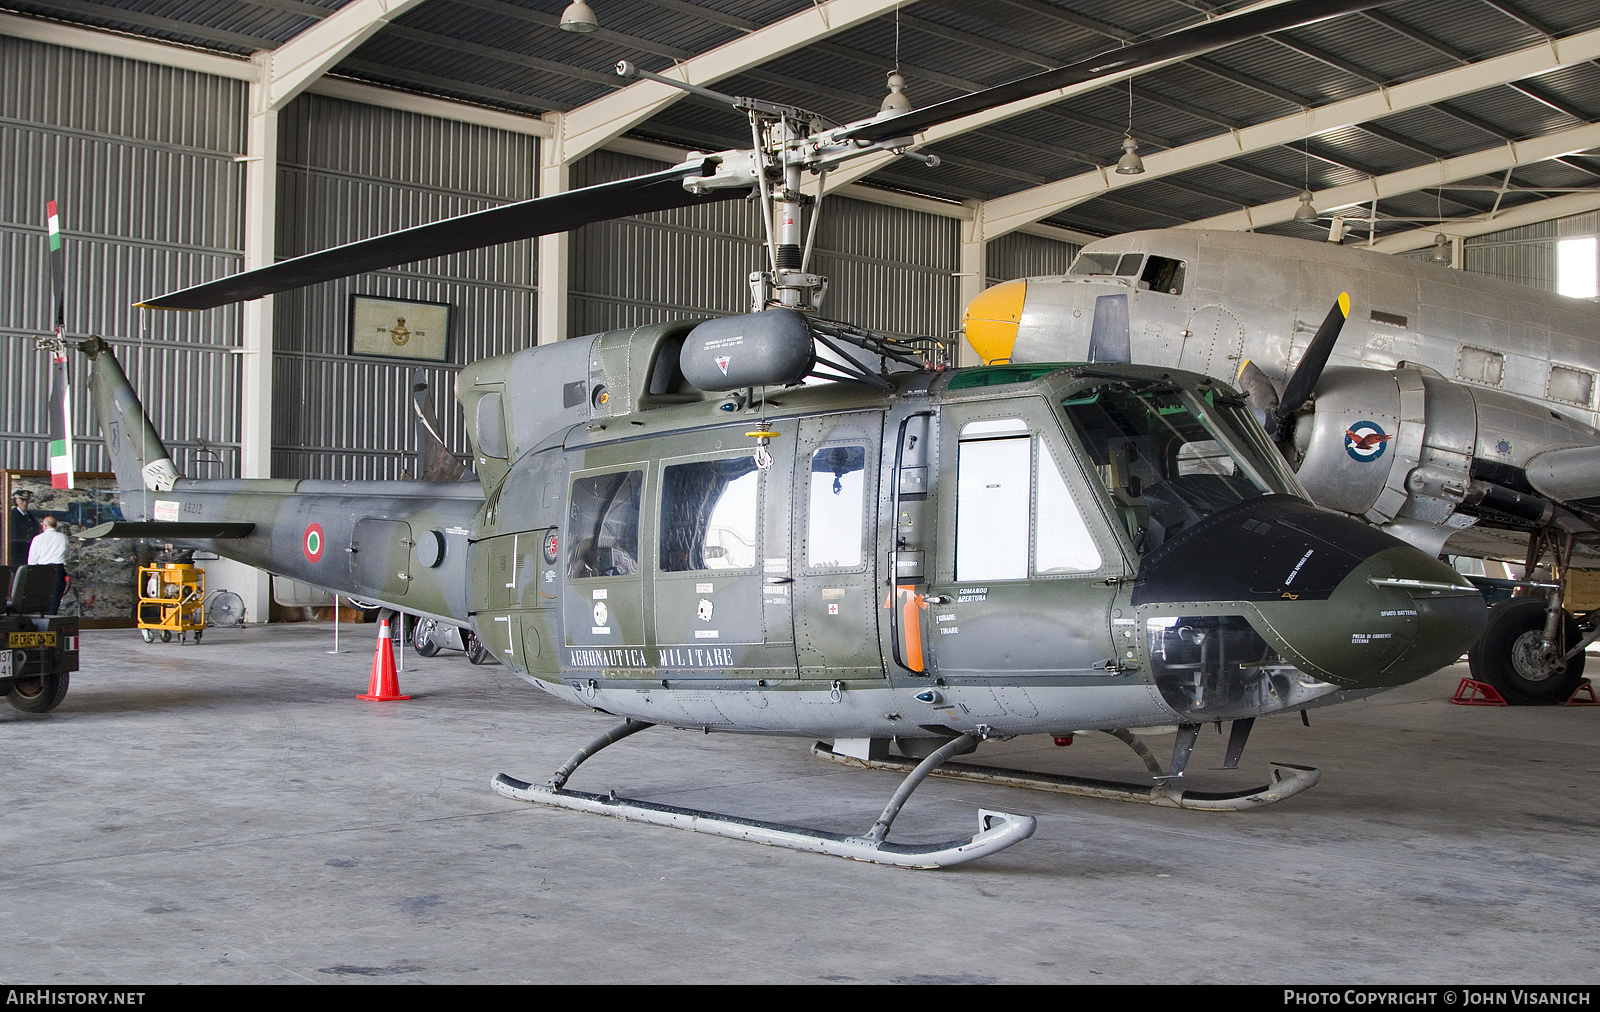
(61, 475)
(1306, 374)
(58, 272)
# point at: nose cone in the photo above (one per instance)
(992, 319)
(1338, 600)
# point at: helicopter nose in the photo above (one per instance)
(1276, 584)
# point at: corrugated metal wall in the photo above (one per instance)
(1528, 254)
(1019, 255)
(349, 171)
(890, 269)
(140, 160)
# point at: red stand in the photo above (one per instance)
(1585, 688)
(384, 685)
(1471, 693)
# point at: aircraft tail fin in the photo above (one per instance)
(138, 456)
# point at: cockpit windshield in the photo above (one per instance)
(1168, 457)
(1101, 264)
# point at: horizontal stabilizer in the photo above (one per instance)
(174, 530)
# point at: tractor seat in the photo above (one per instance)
(31, 589)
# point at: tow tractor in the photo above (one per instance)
(40, 651)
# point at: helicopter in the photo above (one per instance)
(775, 523)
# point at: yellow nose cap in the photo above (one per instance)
(992, 319)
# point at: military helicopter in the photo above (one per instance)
(775, 523)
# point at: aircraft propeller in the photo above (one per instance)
(1304, 378)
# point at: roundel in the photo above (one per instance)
(1365, 441)
(550, 548)
(313, 543)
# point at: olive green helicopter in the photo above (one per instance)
(774, 523)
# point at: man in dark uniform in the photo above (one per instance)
(21, 528)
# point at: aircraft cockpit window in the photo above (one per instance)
(1167, 458)
(709, 515)
(491, 426)
(1162, 274)
(1096, 264)
(838, 498)
(1128, 266)
(603, 525)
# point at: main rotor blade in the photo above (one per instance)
(58, 271)
(1181, 44)
(559, 212)
(1305, 376)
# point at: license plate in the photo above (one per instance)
(20, 640)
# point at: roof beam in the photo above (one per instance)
(294, 65)
(165, 54)
(590, 126)
(1523, 214)
(1423, 177)
(1006, 213)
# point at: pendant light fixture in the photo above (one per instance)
(579, 17)
(1130, 164)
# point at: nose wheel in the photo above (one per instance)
(1513, 657)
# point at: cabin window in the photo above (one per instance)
(1162, 274)
(1097, 264)
(837, 502)
(603, 524)
(995, 504)
(1574, 386)
(1477, 365)
(709, 515)
(491, 426)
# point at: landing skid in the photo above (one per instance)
(996, 830)
(1287, 780)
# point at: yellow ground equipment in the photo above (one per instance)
(170, 598)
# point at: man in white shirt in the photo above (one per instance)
(49, 548)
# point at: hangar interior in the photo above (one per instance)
(242, 821)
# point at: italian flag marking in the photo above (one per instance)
(55, 226)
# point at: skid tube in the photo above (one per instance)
(996, 830)
(1288, 780)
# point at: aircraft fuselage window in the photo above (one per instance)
(1162, 274)
(998, 506)
(603, 524)
(491, 426)
(1572, 385)
(1478, 365)
(838, 496)
(709, 515)
(1167, 458)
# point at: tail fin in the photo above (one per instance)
(138, 456)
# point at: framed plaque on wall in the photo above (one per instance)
(390, 328)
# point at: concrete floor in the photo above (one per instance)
(230, 813)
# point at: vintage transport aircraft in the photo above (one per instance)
(1458, 414)
(778, 524)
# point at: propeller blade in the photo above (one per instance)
(1181, 44)
(58, 271)
(558, 212)
(1306, 374)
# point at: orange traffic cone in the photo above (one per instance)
(384, 685)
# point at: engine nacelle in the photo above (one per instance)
(1424, 456)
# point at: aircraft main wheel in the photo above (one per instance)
(1511, 658)
(148, 634)
(477, 653)
(39, 694)
(422, 637)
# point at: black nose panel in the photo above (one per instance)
(1271, 548)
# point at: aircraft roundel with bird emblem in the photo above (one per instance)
(1365, 441)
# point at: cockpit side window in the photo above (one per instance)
(1162, 274)
(1128, 266)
